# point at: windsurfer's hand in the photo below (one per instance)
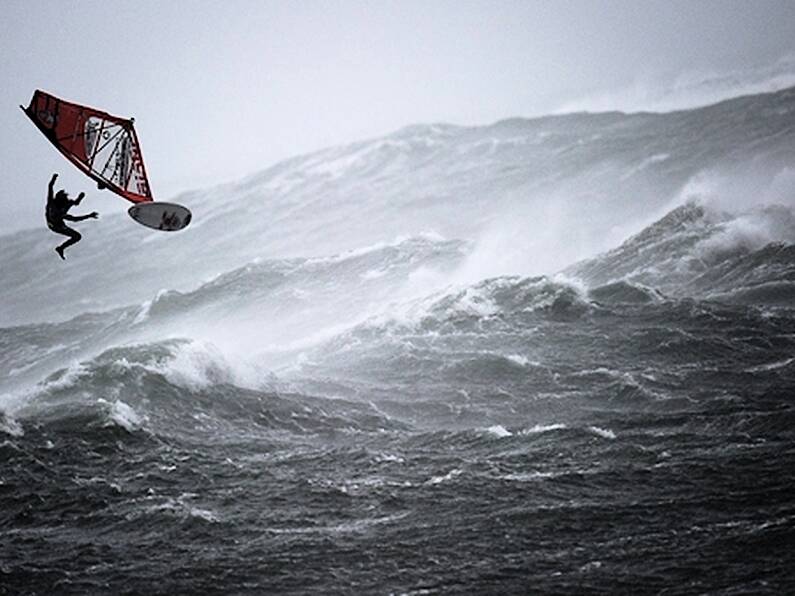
(93, 215)
(54, 176)
(80, 197)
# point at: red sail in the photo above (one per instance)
(103, 146)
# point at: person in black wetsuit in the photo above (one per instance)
(58, 205)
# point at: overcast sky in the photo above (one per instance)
(222, 89)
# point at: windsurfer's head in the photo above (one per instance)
(61, 195)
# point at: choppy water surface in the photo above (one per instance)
(373, 422)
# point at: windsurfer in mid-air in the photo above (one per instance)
(58, 205)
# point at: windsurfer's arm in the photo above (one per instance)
(50, 187)
(79, 198)
(92, 215)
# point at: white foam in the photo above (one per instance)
(542, 428)
(743, 233)
(124, 415)
(499, 430)
(771, 366)
(601, 370)
(10, 426)
(179, 507)
(388, 457)
(143, 312)
(518, 359)
(605, 433)
(73, 373)
(94, 480)
(204, 514)
(475, 301)
(531, 476)
(590, 566)
(196, 365)
(446, 477)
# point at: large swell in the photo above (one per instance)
(384, 420)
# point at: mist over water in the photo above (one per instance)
(554, 353)
(689, 89)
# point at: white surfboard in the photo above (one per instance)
(157, 215)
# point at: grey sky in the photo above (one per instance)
(223, 89)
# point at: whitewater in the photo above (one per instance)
(553, 355)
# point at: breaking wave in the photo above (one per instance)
(185, 419)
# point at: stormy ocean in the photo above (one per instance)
(550, 355)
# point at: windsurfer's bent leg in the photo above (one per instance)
(74, 238)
